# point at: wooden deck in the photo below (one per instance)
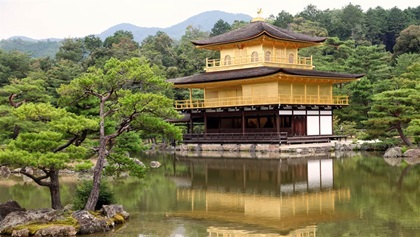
(236, 138)
(257, 138)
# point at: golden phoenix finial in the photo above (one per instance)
(259, 11)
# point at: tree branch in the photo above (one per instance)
(111, 111)
(37, 180)
(81, 138)
(14, 104)
(106, 97)
(71, 140)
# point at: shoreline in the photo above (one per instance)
(332, 149)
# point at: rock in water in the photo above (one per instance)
(393, 152)
(155, 164)
(111, 210)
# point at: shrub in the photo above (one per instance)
(106, 196)
(380, 146)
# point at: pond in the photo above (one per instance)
(357, 195)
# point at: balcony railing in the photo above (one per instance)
(264, 100)
(243, 62)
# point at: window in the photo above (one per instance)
(254, 57)
(267, 56)
(291, 58)
(227, 60)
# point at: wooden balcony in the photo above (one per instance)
(213, 65)
(256, 101)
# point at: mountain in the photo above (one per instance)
(34, 48)
(204, 21)
(48, 47)
(139, 33)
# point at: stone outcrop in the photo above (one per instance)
(49, 222)
(53, 231)
(29, 216)
(20, 233)
(8, 207)
(89, 223)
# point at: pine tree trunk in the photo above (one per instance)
(97, 171)
(403, 137)
(55, 190)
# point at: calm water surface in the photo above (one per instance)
(359, 195)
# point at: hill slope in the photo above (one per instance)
(43, 48)
(204, 21)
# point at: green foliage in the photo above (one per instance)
(307, 27)
(27, 89)
(71, 50)
(414, 130)
(408, 41)
(310, 13)
(347, 128)
(130, 142)
(119, 162)
(191, 59)
(219, 28)
(393, 111)
(118, 37)
(40, 144)
(404, 61)
(13, 64)
(106, 196)
(381, 145)
(396, 21)
(160, 50)
(283, 19)
(85, 166)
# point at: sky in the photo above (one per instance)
(41, 19)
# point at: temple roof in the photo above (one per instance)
(254, 30)
(248, 73)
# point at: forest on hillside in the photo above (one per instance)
(383, 44)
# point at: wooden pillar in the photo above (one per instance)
(278, 121)
(205, 122)
(319, 95)
(243, 121)
(190, 97)
(291, 92)
(191, 127)
(331, 94)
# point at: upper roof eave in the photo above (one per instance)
(249, 73)
(254, 30)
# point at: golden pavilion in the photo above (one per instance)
(260, 90)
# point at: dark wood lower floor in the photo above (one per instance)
(257, 138)
(277, 124)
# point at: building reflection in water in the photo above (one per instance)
(287, 196)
